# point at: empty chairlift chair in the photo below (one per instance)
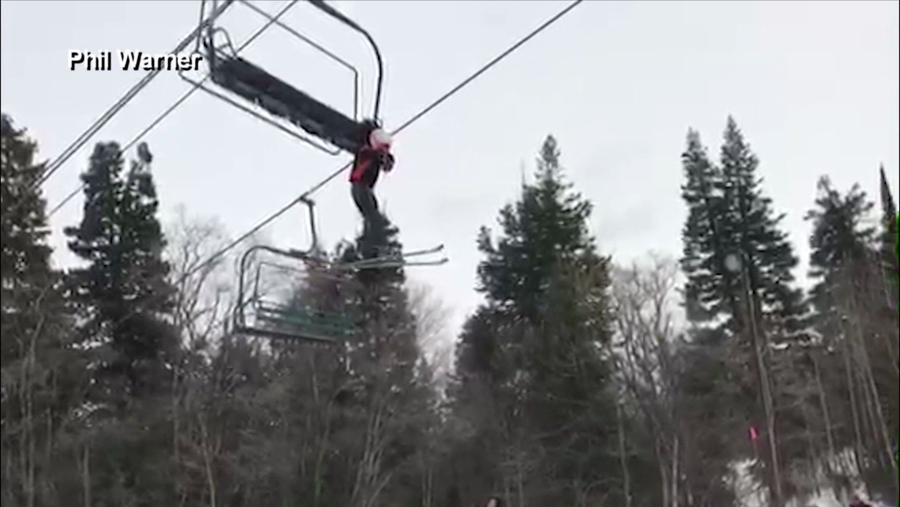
(273, 294)
(263, 310)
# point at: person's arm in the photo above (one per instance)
(387, 162)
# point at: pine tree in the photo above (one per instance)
(123, 292)
(889, 237)
(24, 254)
(386, 354)
(24, 221)
(768, 260)
(838, 241)
(708, 290)
(546, 226)
(897, 255)
(383, 308)
(888, 207)
(539, 335)
(765, 247)
(714, 374)
(41, 373)
(849, 303)
(375, 374)
(123, 302)
(729, 214)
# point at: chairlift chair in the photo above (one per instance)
(278, 103)
(261, 314)
(285, 316)
(261, 94)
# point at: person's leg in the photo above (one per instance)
(377, 224)
(365, 201)
(358, 199)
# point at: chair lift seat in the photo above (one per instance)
(280, 99)
(306, 319)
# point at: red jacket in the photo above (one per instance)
(370, 161)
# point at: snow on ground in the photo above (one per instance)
(753, 494)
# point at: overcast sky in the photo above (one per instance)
(813, 85)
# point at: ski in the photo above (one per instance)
(397, 260)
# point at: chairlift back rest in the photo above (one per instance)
(342, 319)
(280, 99)
(348, 318)
(307, 323)
(298, 333)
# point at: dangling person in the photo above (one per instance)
(373, 157)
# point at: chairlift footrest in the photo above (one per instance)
(397, 260)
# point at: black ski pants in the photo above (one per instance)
(364, 198)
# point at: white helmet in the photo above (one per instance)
(380, 139)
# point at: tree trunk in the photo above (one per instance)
(882, 434)
(208, 461)
(86, 475)
(854, 410)
(826, 416)
(520, 480)
(675, 472)
(626, 477)
(765, 386)
(176, 428)
(663, 474)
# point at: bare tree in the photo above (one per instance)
(201, 307)
(202, 285)
(645, 328)
(432, 331)
(869, 364)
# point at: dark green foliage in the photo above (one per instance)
(362, 406)
(123, 292)
(728, 213)
(123, 300)
(24, 254)
(24, 222)
(531, 356)
(708, 285)
(889, 237)
(838, 240)
(104, 405)
(546, 227)
(758, 237)
(380, 301)
(713, 413)
(854, 317)
(42, 375)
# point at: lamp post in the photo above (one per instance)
(735, 263)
